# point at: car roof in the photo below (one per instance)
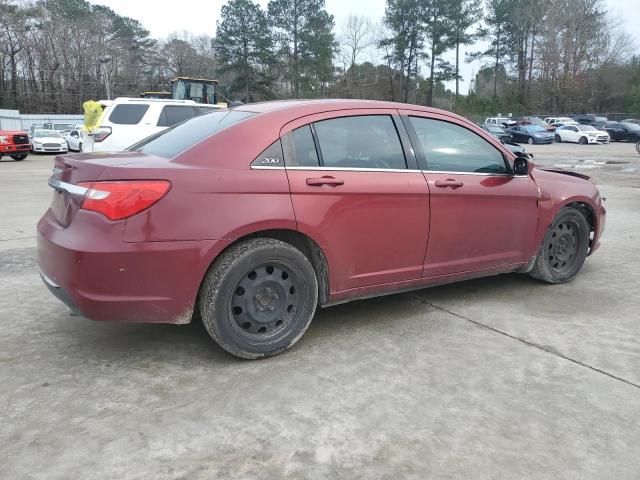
(328, 104)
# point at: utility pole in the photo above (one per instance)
(104, 60)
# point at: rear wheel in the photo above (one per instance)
(583, 141)
(19, 157)
(558, 139)
(258, 298)
(564, 247)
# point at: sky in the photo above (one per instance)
(199, 17)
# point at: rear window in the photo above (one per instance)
(128, 114)
(180, 137)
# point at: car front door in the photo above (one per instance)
(482, 216)
(571, 134)
(359, 194)
(519, 134)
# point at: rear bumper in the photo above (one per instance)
(99, 276)
(15, 148)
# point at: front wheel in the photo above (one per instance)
(558, 139)
(530, 140)
(564, 248)
(19, 157)
(583, 141)
(638, 147)
(258, 298)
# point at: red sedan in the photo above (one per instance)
(253, 217)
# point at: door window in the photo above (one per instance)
(369, 141)
(173, 114)
(452, 148)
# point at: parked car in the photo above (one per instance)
(14, 143)
(535, 121)
(255, 216)
(499, 121)
(126, 121)
(582, 134)
(530, 134)
(74, 139)
(591, 119)
(631, 120)
(498, 132)
(556, 121)
(50, 141)
(623, 131)
(63, 128)
(35, 127)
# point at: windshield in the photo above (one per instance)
(180, 137)
(47, 133)
(534, 128)
(631, 126)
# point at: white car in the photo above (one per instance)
(74, 139)
(582, 134)
(48, 141)
(499, 121)
(126, 121)
(557, 120)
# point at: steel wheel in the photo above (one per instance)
(266, 300)
(259, 297)
(564, 247)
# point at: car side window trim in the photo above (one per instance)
(316, 142)
(422, 158)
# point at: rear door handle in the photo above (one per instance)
(449, 182)
(330, 181)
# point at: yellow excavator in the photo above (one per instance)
(200, 90)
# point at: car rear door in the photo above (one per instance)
(357, 190)
(482, 216)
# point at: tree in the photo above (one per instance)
(437, 17)
(304, 31)
(243, 44)
(405, 43)
(467, 13)
(356, 37)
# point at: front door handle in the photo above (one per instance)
(319, 182)
(449, 182)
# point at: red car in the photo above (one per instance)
(253, 217)
(16, 144)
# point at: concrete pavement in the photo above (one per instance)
(495, 378)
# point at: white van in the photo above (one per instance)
(126, 121)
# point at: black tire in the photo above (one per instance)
(530, 140)
(558, 138)
(80, 147)
(638, 147)
(258, 298)
(564, 248)
(19, 157)
(583, 141)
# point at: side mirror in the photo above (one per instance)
(521, 165)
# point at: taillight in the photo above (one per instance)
(123, 199)
(99, 134)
